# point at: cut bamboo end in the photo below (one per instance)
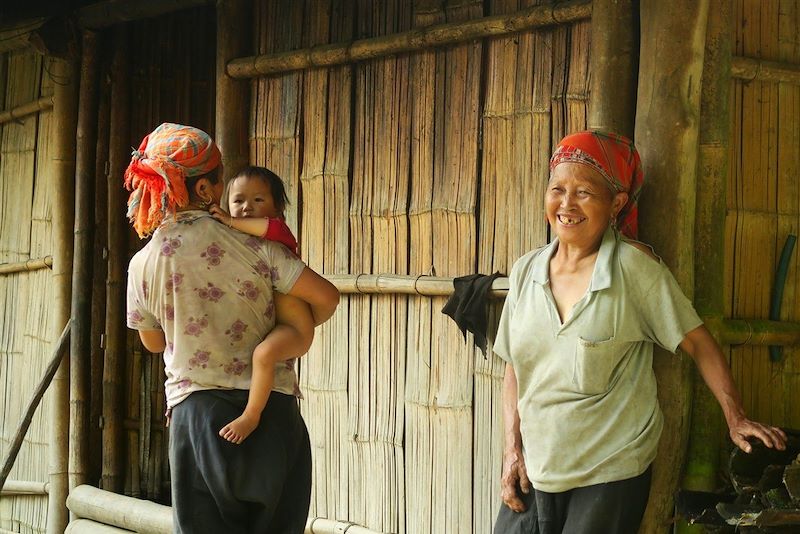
(26, 266)
(321, 525)
(24, 110)
(410, 41)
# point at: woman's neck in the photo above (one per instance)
(572, 257)
(191, 206)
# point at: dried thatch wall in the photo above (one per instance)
(429, 162)
(25, 233)
(764, 204)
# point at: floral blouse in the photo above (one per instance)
(209, 288)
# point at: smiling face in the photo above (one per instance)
(580, 205)
(251, 197)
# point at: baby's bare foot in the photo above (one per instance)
(237, 430)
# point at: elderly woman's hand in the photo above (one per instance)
(773, 437)
(514, 475)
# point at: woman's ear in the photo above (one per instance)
(202, 188)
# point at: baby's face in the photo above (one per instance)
(251, 197)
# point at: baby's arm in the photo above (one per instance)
(293, 333)
(256, 226)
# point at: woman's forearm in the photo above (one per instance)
(512, 436)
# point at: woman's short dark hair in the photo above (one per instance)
(272, 180)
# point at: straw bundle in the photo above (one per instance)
(763, 188)
(25, 233)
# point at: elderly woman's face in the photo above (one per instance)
(580, 205)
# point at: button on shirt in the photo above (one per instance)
(209, 288)
(586, 388)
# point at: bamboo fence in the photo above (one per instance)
(404, 415)
(762, 203)
(27, 323)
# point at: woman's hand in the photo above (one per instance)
(514, 475)
(220, 215)
(773, 437)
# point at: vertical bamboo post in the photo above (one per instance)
(99, 272)
(82, 262)
(614, 65)
(233, 40)
(703, 455)
(119, 155)
(65, 105)
(667, 124)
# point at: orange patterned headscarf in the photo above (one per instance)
(158, 171)
(616, 159)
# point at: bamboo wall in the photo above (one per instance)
(764, 204)
(432, 162)
(25, 233)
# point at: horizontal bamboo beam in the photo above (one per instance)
(413, 40)
(25, 487)
(432, 286)
(727, 331)
(748, 69)
(754, 331)
(111, 12)
(16, 113)
(25, 266)
(19, 36)
(120, 511)
(30, 409)
(321, 525)
(87, 526)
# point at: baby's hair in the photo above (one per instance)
(272, 181)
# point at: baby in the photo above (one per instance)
(256, 201)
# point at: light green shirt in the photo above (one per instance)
(586, 388)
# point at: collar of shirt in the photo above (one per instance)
(601, 276)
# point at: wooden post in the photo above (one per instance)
(118, 157)
(82, 262)
(614, 65)
(99, 272)
(667, 127)
(703, 454)
(65, 106)
(233, 40)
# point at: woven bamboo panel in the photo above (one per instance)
(25, 232)
(432, 162)
(764, 204)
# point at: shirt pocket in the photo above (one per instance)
(597, 365)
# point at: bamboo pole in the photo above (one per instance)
(99, 274)
(18, 112)
(394, 284)
(20, 36)
(321, 525)
(38, 393)
(614, 65)
(115, 350)
(668, 108)
(26, 266)
(702, 462)
(113, 12)
(233, 40)
(749, 69)
(120, 511)
(410, 41)
(87, 526)
(25, 487)
(82, 262)
(65, 100)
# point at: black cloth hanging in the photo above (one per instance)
(467, 305)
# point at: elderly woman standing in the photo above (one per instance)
(577, 331)
(202, 294)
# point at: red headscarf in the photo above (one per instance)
(158, 171)
(616, 159)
